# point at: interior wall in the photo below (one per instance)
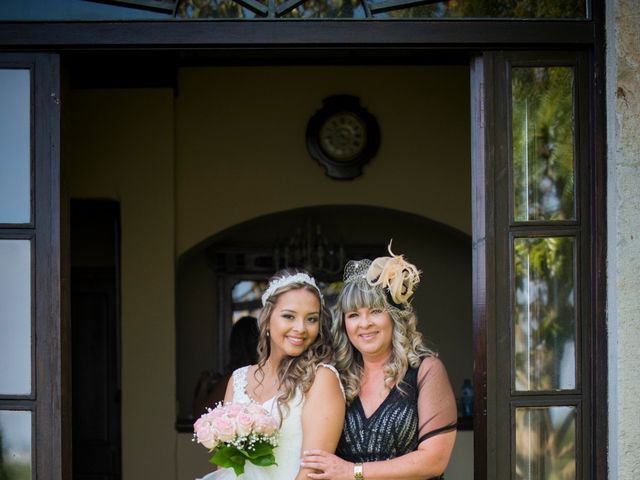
(122, 149)
(443, 300)
(239, 153)
(241, 143)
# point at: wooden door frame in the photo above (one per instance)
(402, 42)
(49, 379)
(491, 259)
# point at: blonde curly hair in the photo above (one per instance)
(407, 347)
(297, 371)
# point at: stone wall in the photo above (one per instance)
(623, 203)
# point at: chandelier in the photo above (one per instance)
(308, 248)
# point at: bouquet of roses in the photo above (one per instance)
(236, 433)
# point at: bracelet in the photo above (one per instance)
(358, 473)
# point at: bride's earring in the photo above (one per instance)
(268, 333)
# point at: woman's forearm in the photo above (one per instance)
(411, 466)
(430, 460)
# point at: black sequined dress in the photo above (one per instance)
(394, 429)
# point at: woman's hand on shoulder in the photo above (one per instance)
(326, 466)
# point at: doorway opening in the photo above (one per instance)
(95, 339)
(208, 275)
(214, 162)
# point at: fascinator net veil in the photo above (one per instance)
(394, 280)
(396, 277)
(356, 269)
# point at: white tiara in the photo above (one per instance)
(281, 282)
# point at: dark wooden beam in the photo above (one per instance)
(262, 33)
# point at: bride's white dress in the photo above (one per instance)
(289, 447)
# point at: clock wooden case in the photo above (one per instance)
(343, 136)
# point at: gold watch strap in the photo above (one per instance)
(358, 472)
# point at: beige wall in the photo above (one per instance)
(239, 153)
(122, 149)
(623, 199)
(442, 301)
(241, 144)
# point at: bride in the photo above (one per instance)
(291, 379)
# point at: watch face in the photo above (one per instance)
(343, 136)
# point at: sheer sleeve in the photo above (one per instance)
(437, 411)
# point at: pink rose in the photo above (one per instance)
(216, 412)
(225, 428)
(200, 423)
(233, 409)
(254, 409)
(205, 433)
(244, 423)
(266, 424)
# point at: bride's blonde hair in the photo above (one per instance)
(297, 371)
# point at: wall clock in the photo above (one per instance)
(343, 136)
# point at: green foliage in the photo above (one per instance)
(259, 450)
(543, 185)
(546, 444)
(229, 456)
(544, 309)
(3, 471)
(326, 9)
(18, 471)
(211, 9)
(543, 143)
(517, 8)
(353, 9)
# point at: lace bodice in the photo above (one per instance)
(287, 452)
(240, 385)
(289, 447)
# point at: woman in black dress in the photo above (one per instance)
(401, 415)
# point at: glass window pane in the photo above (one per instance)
(545, 440)
(545, 314)
(87, 10)
(15, 445)
(246, 298)
(109, 10)
(543, 143)
(247, 291)
(15, 146)
(195, 9)
(461, 9)
(15, 317)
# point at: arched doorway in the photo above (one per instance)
(208, 273)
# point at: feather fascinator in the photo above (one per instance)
(394, 273)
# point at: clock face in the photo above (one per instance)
(343, 136)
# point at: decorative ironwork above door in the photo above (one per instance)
(359, 9)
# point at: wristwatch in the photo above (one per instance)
(357, 472)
